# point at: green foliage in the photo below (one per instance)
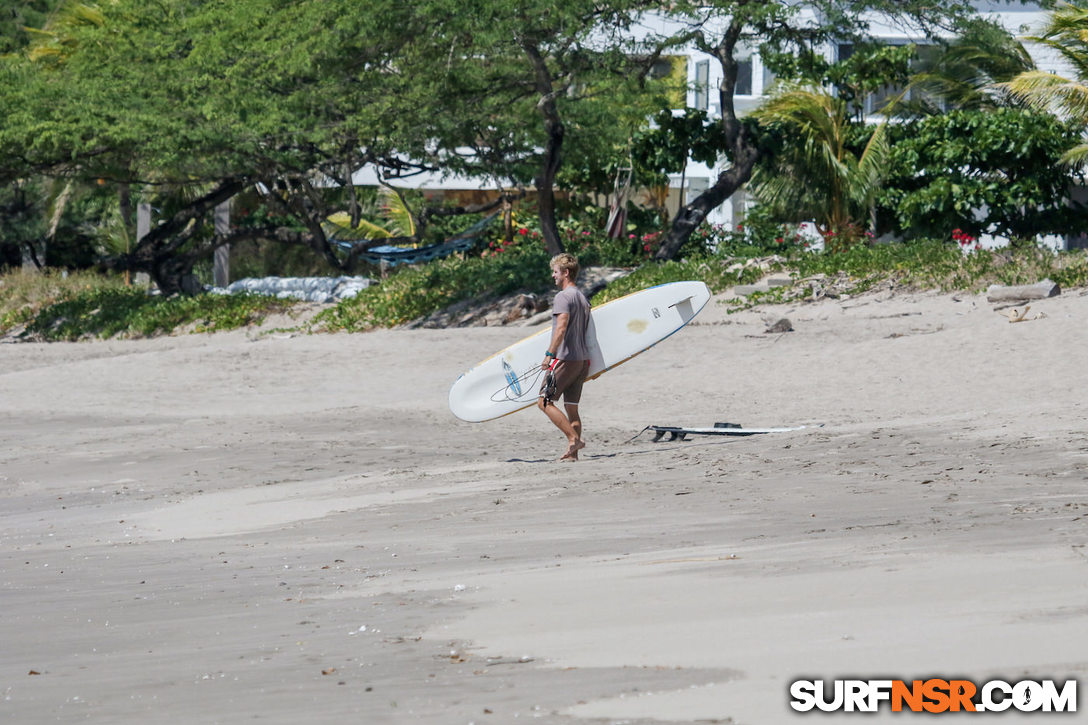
(1065, 34)
(816, 174)
(665, 146)
(760, 234)
(418, 291)
(709, 270)
(868, 68)
(871, 68)
(935, 264)
(132, 312)
(23, 294)
(56, 307)
(963, 74)
(924, 264)
(19, 14)
(992, 171)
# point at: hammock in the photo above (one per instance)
(616, 226)
(392, 256)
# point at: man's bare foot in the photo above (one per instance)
(572, 451)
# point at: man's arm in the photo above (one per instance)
(561, 322)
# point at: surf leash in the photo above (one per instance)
(519, 385)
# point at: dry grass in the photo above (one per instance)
(23, 293)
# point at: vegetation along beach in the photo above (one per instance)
(246, 249)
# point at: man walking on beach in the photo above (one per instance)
(567, 360)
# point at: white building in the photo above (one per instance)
(704, 76)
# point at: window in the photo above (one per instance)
(744, 78)
(702, 85)
(662, 68)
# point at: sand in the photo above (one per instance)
(292, 528)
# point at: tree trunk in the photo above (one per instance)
(553, 125)
(743, 150)
(545, 191)
(173, 274)
(158, 251)
(694, 213)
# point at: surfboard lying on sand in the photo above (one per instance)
(618, 330)
(721, 429)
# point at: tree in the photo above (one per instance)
(816, 175)
(965, 74)
(1066, 33)
(725, 29)
(670, 141)
(982, 171)
(862, 69)
(190, 103)
(16, 16)
(490, 68)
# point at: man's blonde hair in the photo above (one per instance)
(567, 262)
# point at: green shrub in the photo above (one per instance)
(936, 264)
(110, 311)
(24, 293)
(712, 271)
(421, 290)
(926, 264)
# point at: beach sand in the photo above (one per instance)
(275, 528)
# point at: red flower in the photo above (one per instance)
(523, 231)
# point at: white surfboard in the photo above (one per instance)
(618, 330)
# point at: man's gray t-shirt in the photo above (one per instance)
(573, 303)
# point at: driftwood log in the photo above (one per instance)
(1037, 291)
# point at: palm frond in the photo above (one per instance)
(397, 212)
(55, 42)
(871, 168)
(59, 195)
(1076, 156)
(339, 226)
(1066, 33)
(964, 73)
(817, 176)
(1051, 92)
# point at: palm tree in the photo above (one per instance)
(816, 175)
(391, 206)
(57, 40)
(966, 73)
(1066, 33)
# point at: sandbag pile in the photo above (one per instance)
(307, 289)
